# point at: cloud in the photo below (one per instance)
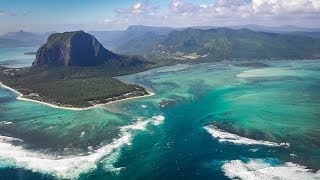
(144, 12)
(139, 8)
(15, 12)
(107, 20)
(2, 13)
(179, 6)
(296, 7)
(220, 13)
(228, 12)
(253, 7)
(25, 12)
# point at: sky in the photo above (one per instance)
(63, 15)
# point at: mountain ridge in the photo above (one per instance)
(226, 43)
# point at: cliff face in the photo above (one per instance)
(72, 49)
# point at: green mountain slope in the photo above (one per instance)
(227, 43)
(142, 44)
(308, 34)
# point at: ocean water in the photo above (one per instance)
(206, 121)
(15, 57)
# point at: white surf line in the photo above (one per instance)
(20, 97)
(224, 136)
(5, 123)
(62, 167)
(260, 169)
(67, 167)
(9, 139)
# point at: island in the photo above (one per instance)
(74, 70)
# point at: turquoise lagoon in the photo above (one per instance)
(15, 57)
(205, 121)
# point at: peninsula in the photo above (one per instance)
(74, 70)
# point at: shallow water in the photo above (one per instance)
(206, 121)
(15, 57)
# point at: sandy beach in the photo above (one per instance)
(20, 97)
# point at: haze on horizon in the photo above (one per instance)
(59, 15)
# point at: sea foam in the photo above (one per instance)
(157, 120)
(62, 167)
(68, 167)
(7, 139)
(5, 123)
(260, 169)
(224, 136)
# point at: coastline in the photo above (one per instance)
(21, 98)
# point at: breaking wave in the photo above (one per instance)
(224, 136)
(68, 167)
(261, 169)
(157, 120)
(2, 123)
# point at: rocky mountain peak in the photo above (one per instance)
(75, 48)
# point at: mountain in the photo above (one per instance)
(11, 43)
(275, 29)
(144, 39)
(308, 34)
(109, 39)
(47, 34)
(141, 44)
(23, 36)
(290, 30)
(225, 43)
(150, 29)
(73, 49)
(22, 39)
(116, 40)
(72, 69)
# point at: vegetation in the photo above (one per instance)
(129, 40)
(224, 43)
(79, 76)
(308, 34)
(61, 38)
(83, 86)
(141, 44)
(74, 87)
